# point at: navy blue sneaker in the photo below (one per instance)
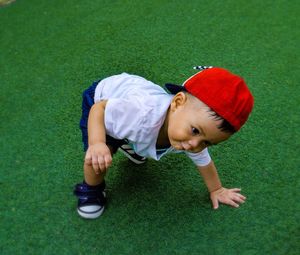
(130, 153)
(91, 200)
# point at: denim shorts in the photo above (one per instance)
(87, 103)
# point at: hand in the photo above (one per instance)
(99, 157)
(227, 196)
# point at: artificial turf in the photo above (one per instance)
(52, 50)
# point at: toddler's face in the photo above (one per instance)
(190, 126)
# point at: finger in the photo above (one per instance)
(235, 194)
(238, 197)
(101, 163)
(95, 164)
(241, 196)
(236, 190)
(232, 203)
(88, 159)
(238, 200)
(215, 202)
(108, 161)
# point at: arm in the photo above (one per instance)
(98, 154)
(96, 128)
(217, 192)
(210, 176)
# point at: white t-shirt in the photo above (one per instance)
(136, 110)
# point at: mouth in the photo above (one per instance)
(184, 146)
(177, 146)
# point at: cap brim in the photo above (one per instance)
(174, 89)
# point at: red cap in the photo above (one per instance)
(224, 92)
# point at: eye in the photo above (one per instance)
(195, 131)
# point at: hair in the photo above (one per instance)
(225, 126)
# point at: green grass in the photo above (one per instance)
(52, 50)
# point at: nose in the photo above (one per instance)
(196, 144)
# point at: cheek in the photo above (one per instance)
(177, 128)
(177, 131)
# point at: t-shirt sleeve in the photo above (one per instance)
(123, 118)
(201, 158)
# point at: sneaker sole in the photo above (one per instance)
(138, 162)
(94, 214)
(90, 215)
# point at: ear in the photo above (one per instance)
(178, 100)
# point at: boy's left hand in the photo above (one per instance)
(227, 196)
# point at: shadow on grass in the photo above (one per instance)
(157, 187)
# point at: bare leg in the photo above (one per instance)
(91, 195)
(90, 177)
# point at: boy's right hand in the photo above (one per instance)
(99, 157)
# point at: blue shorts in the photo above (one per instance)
(87, 103)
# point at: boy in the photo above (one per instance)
(129, 113)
